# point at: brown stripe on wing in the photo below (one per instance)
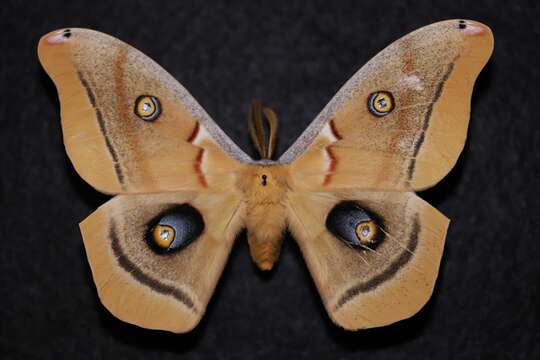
(102, 128)
(331, 167)
(403, 103)
(330, 153)
(129, 140)
(145, 279)
(334, 130)
(427, 118)
(390, 271)
(197, 165)
(194, 133)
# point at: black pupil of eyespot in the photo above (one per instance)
(382, 102)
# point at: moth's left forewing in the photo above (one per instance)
(428, 76)
(445, 135)
(159, 290)
(363, 287)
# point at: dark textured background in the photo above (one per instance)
(294, 57)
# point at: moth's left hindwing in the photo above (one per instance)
(157, 285)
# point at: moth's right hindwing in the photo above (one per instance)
(372, 279)
(156, 259)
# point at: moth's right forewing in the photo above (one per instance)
(100, 82)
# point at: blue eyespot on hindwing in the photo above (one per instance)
(354, 225)
(175, 229)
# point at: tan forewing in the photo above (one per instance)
(430, 74)
(99, 79)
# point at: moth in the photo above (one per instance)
(345, 189)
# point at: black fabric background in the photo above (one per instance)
(294, 56)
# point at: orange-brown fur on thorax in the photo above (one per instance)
(265, 188)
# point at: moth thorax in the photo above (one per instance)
(264, 183)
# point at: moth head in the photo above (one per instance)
(174, 229)
(354, 225)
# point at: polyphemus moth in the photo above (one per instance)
(345, 189)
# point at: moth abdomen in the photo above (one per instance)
(265, 188)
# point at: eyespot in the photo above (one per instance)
(175, 229)
(163, 235)
(381, 103)
(147, 107)
(366, 232)
(355, 226)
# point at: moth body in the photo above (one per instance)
(344, 189)
(265, 188)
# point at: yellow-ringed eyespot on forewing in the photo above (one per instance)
(147, 107)
(381, 103)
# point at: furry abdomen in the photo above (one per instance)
(264, 188)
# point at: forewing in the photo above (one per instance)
(413, 142)
(100, 80)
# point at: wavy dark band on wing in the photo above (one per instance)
(102, 128)
(145, 279)
(389, 272)
(427, 118)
